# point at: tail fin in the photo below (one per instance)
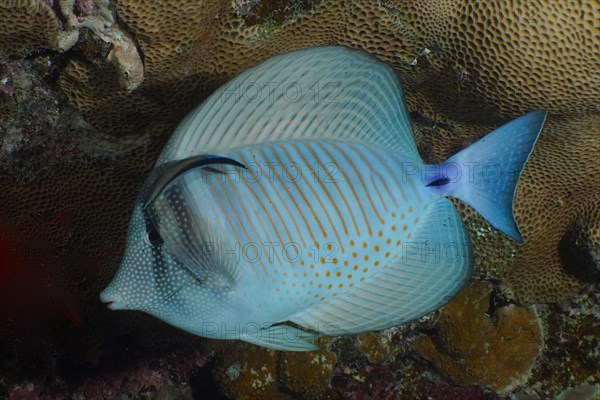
(491, 167)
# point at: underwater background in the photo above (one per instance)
(90, 90)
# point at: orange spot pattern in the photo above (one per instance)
(380, 251)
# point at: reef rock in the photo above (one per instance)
(473, 348)
(244, 371)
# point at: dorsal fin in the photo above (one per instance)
(329, 92)
(168, 171)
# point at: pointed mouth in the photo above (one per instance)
(113, 301)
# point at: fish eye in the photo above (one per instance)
(153, 236)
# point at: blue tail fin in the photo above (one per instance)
(490, 168)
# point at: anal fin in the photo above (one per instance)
(282, 337)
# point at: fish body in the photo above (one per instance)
(273, 218)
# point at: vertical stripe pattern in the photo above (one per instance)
(311, 219)
(324, 92)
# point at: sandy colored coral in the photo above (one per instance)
(559, 186)
(28, 23)
(494, 58)
(472, 348)
(517, 55)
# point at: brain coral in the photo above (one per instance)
(519, 55)
(27, 24)
(500, 57)
(560, 187)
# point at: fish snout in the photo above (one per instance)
(113, 301)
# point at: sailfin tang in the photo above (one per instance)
(432, 268)
(496, 161)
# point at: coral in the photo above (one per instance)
(99, 18)
(511, 54)
(379, 347)
(557, 197)
(491, 61)
(244, 371)
(479, 52)
(307, 375)
(472, 348)
(559, 189)
(55, 173)
(37, 128)
(247, 372)
(29, 23)
(580, 250)
(57, 25)
(367, 383)
(572, 342)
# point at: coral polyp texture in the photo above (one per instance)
(560, 192)
(27, 24)
(518, 55)
(91, 89)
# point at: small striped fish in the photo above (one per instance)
(293, 202)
